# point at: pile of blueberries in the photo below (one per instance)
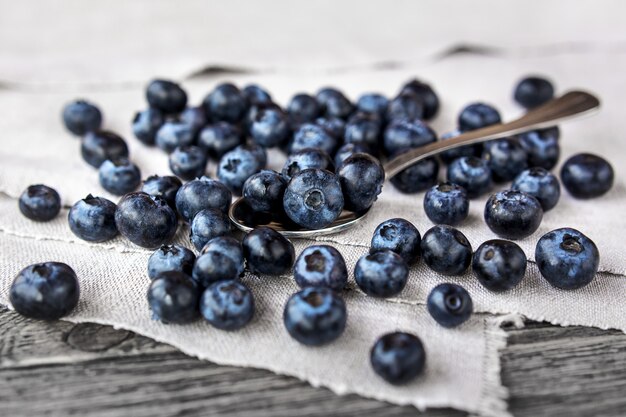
(334, 150)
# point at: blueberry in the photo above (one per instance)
(313, 136)
(226, 103)
(230, 247)
(405, 106)
(541, 184)
(450, 305)
(446, 203)
(174, 297)
(533, 91)
(418, 177)
(170, 258)
(268, 252)
(305, 159)
(446, 250)
(173, 134)
(542, 147)
(373, 103)
(567, 259)
(427, 96)
(499, 265)
(97, 147)
(219, 138)
(407, 133)
(93, 219)
(145, 220)
(506, 158)
(254, 110)
(513, 214)
(585, 175)
(188, 162)
(363, 128)
(321, 266)
(334, 126)
(165, 187)
(315, 316)
(195, 117)
(202, 193)
(334, 103)
(400, 236)
(381, 274)
(478, 115)
(361, 177)
(227, 305)
(471, 173)
(45, 291)
(81, 117)
(264, 191)
(398, 357)
(269, 128)
(214, 266)
(255, 94)
(313, 198)
(146, 124)
(207, 224)
(302, 108)
(236, 166)
(350, 149)
(119, 176)
(40, 203)
(166, 96)
(447, 157)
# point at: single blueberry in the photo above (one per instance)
(264, 191)
(226, 103)
(585, 175)
(334, 103)
(166, 96)
(45, 291)
(446, 203)
(406, 105)
(40, 203)
(478, 115)
(213, 266)
(199, 194)
(406, 133)
(398, 357)
(119, 176)
(313, 199)
(93, 219)
(207, 224)
(174, 297)
(173, 134)
(567, 259)
(195, 117)
(236, 166)
(255, 94)
(321, 266)
(542, 147)
(471, 173)
(350, 149)
(381, 274)
(426, 94)
(541, 184)
(400, 236)
(315, 316)
(373, 103)
(363, 128)
(145, 220)
(269, 128)
(361, 177)
(230, 247)
(227, 305)
(219, 138)
(447, 157)
(446, 250)
(188, 162)
(170, 258)
(313, 136)
(450, 305)
(305, 159)
(533, 91)
(97, 147)
(499, 265)
(513, 214)
(506, 158)
(253, 112)
(146, 124)
(268, 252)
(334, 126)
(418, 177)
(302, 108)
(81, 117)
(165, 187)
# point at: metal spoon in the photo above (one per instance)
(569, 105)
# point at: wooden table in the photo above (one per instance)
(62, 368)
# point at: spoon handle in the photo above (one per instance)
(573, 103)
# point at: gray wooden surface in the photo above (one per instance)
(86, 369)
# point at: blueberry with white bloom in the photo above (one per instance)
(227, 305)
(541, 184)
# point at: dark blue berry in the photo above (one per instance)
(227, 305)
(305, 159)
(219, 138)
(268, 252)
(400, 236)
(194, 117)
(230, 247)
(174, 297)
(334, 103)
(165, 187)
(450, 305)
(381, 274)
(350, 149)
(427, 96)
(97, 147)
(173, 134)
(506, 158)
(145, 220)
(213, 266)
(542, 147)
(255, 94)
(315, 316)
(334, 126)
(236, 166)
(313, 198)
(169, 258)
(119, 176)
(81, 117)
(361, 177)
(499, 265)
(533, 91)
(363, 128)
(513, 214)
(188, 162)
(471, 173)
(226, 103)
(418, 177)
(446, 250)
(313, 136)
(207, 224)
(202, 193)
(407, 133)
(269, 128)
(585, 175)
(146, 124)
(93, 219)
(447, 157)
(40, 203)
(567, 259)
(321, 266)
(264, 191)
(446, 203)
(405, 106)
(373, 103)
(541, 184)
(478, 115)
(166, 96)
(398, 357)
(45, 291)
(302, 108)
